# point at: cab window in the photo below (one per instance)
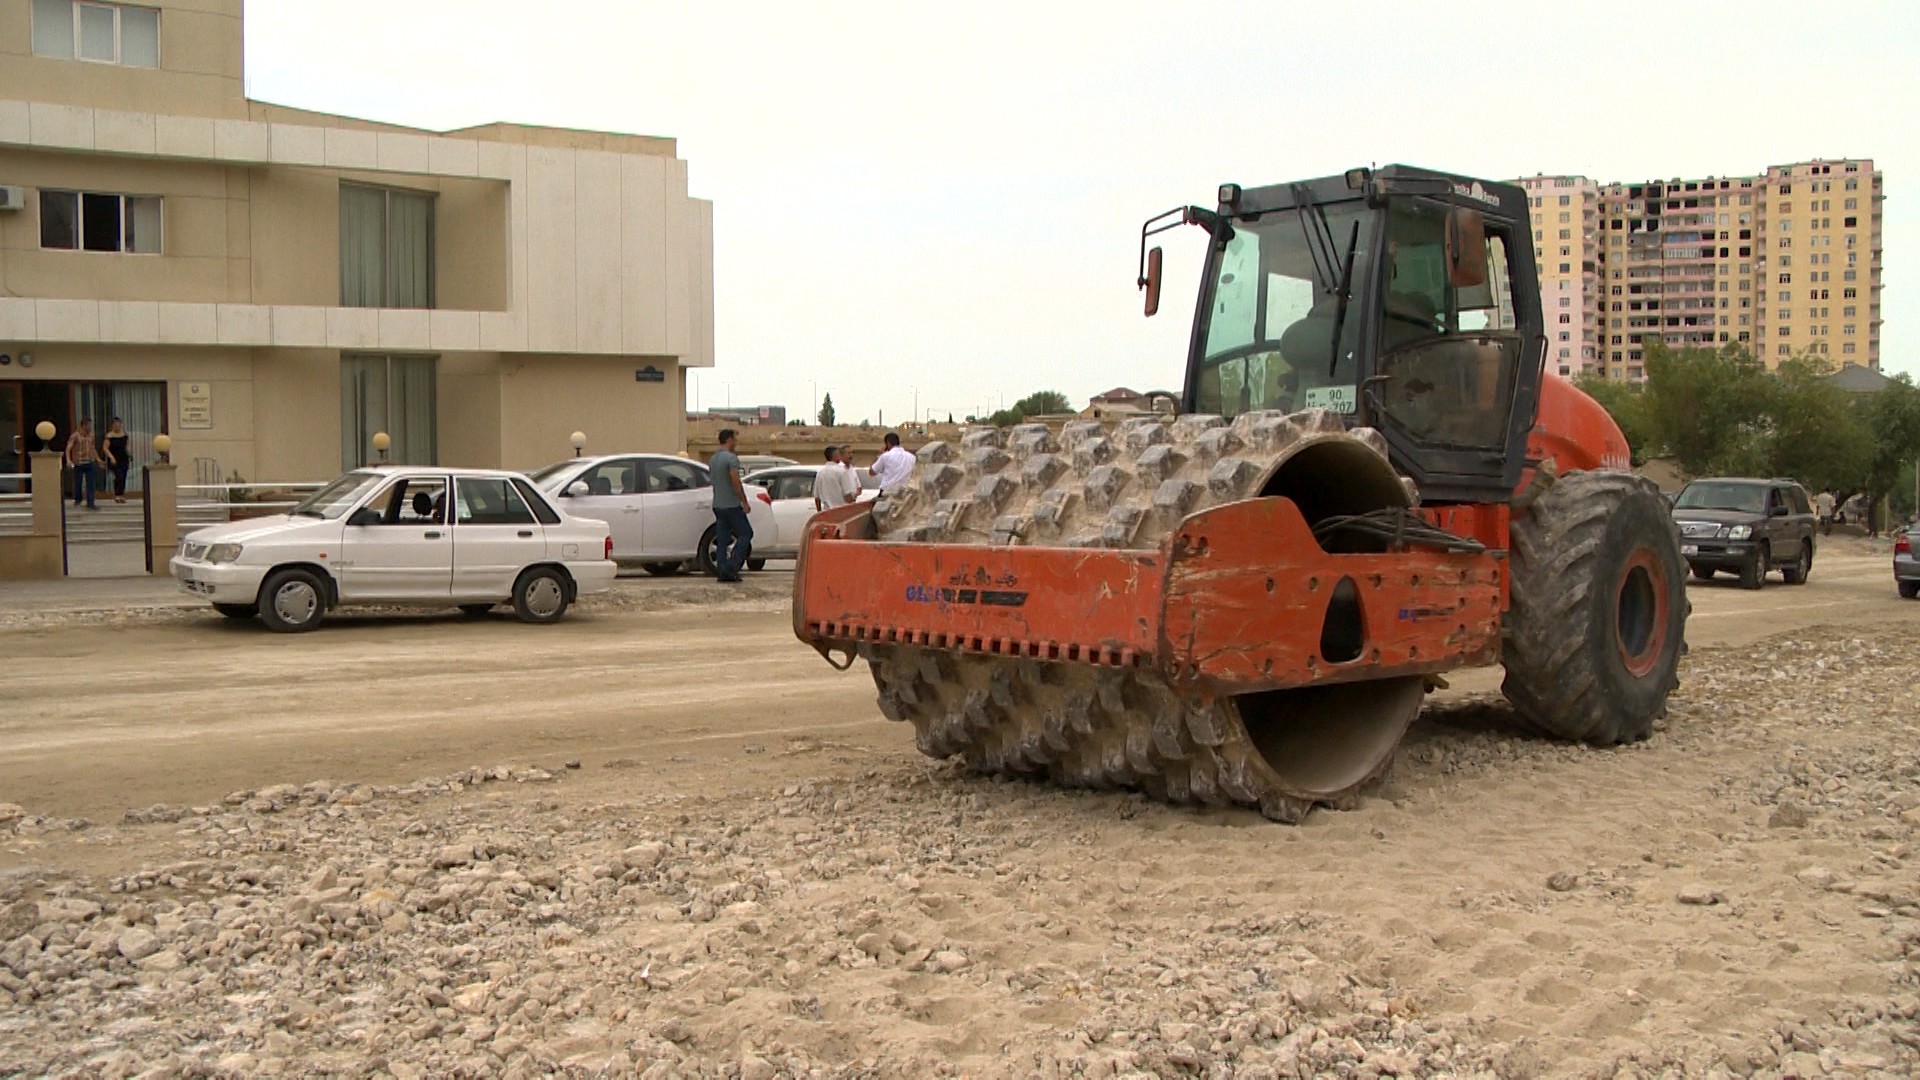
(1449, 350)
(618, 477)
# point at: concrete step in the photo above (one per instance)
(122, 522)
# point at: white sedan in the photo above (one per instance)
(791, 487)
(660, 508)
(384, 536)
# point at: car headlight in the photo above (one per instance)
(223, 553)
(1739, 532)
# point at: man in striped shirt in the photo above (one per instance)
(83, 456)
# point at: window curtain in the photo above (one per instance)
(391, 394)
(141, 407)
(409, 250)
(363, 250)
(363, 408)
(53, 28)
(414, 438)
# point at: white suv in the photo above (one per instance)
(384, 536)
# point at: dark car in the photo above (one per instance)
(1746, 527)
(1906, 562)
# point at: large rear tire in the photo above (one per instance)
(1597, 616)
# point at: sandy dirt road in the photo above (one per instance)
(190, 707)
(753, 875)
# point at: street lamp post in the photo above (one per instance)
(381, 443)
(579, 441)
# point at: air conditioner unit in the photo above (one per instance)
(12, 198)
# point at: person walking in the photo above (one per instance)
(1823, 505)
(82, 455)
(118, 460)
(835, 484)
(732, 531)
(893, 466)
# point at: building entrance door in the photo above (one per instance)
(23, 404)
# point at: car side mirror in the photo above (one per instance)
(1151, 282)
(1779, 511)
(364, 517)
(578, 487)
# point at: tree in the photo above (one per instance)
(1039, 403)
(1709, 408)
(1892, 419)
(826, 411)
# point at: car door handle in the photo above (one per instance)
(526, 532)
(435, 535)
(630, 509)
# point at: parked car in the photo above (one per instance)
(659, 506)
(791, 487)
(750, 464)
(1906, 562)
(386, 536)
(1747, 527)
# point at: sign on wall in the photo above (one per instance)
(196, 406)
(649, 374)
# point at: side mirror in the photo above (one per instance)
(1778, 511)
(578, 487)
(1466, 248)
(1151, 282)
(364, 517)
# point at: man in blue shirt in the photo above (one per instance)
(732, 532)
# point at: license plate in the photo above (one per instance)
(1689, 549)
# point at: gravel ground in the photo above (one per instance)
(1736, 897)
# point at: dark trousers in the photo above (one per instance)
(119, 469)
(732, 540)
(83, 480)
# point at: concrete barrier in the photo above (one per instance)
(162, 515)
(41, 555)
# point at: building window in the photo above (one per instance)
(102, 33)
(1566, 268)
(1849, 294)
(394, 394)
(100, 221)
(386, 248)
(1565, 319)
(1847, 348)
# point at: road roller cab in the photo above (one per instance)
(1244, 603)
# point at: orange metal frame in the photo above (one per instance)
(1232, 602)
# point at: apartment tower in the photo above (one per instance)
(1784, 263)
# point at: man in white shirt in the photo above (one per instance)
(835, 484)
(893, 466)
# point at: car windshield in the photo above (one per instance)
(334, 500)
(1744, 498)
(1272, 308)
(541, 476)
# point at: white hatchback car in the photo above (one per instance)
(791, 487)
(659, 506)
(385, 536)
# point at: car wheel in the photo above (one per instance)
(661, 569)
(1796, 572)
(1754, 573)
(756, 564)
(238, 611)
(540, 596)
(292, 601)
(475, 611)
(1909, 589)
(1704, 573)
(703, 561)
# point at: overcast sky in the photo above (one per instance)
(948, 197)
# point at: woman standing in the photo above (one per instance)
(117, 459)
